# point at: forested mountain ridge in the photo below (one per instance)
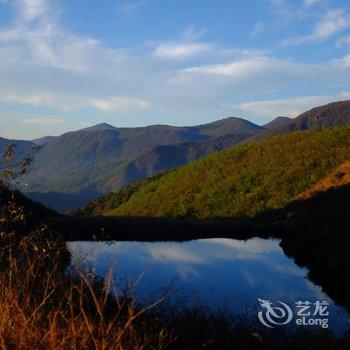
(244, 180)
(102, 158)
(71, 169)
(327, 116)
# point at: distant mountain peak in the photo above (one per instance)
(42, 141)
(229, 125)
(278, 122)
(100, 127)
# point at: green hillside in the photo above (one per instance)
(102, 204)
(71, 169)
(244, 180)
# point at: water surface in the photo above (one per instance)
(214, 272)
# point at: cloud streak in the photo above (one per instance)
(258, 28)
(334, 21)
(181, 51)
(309, 3)
(43, 121)
(120, 104)
(32, 9)
(291, 107)
(130, 7)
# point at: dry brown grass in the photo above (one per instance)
(42, 308)
(338, 177)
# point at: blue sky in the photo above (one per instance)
(69, 64)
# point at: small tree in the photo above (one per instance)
(12, 214)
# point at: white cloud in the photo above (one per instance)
(178, 51)
(235, 69)
(130, 7)
(345, 95)
(344, 41)
(27, 98)
(249, 249)
(120, 104)
(343, 62)
(252, 69)
(37, 38)
(287, 107)
(311, 2)
(32, 9)
(8, 35)
(334, 21)
(192, 33)
(175, 254)
(258, 28)
(278, 4)
(288, 10)
(43, 121)
(44, 64)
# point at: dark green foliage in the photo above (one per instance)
(244, 180)
(112, 200)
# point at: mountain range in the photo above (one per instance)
(71, 169)
(329, 115)
(78, 166)
(241, 182)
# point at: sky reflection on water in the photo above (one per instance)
(215, 271)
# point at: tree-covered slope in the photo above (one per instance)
(244, 180)
(94, 159)
(326, 116)
(329, 115)
(163, 157)
(102, 204)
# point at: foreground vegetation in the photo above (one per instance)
(240, 182)
(42, 305)
(44, 308)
